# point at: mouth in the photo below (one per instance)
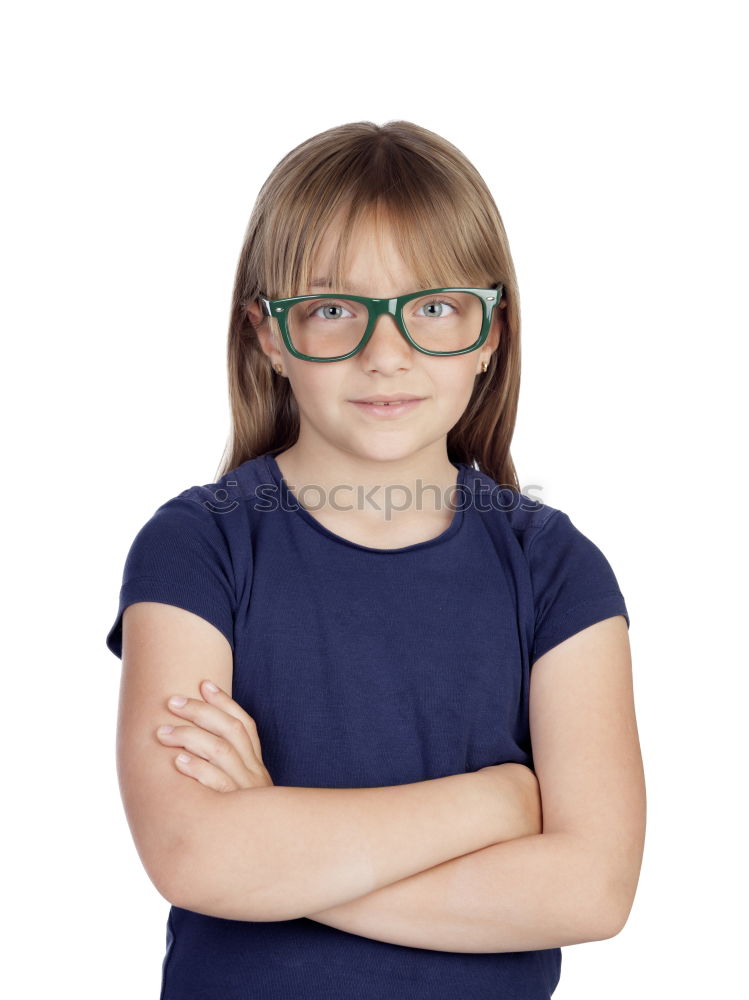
(393, 408)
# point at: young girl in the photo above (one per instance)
(411, 658)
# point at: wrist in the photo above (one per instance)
(512, 800)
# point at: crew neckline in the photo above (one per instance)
(292, 505)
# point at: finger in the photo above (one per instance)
(204, 772)
(220, 723)
(226, 703)
(212, 749)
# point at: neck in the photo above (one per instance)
(336, 480)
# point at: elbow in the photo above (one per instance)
(184, 881)
(607, 923)
(162, 850)
(170, 872)
(177, 887)
(610, 921)
(204, 874)
(613, 906)
(615, 914)
(611, 876)
(192, 887)
(621, 887)
(209, 870)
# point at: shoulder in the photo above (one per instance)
(219, 507)
(538, 527)
(572, 582)
(524, 517)
(204, 524)
(195, 552)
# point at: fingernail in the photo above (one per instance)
(211, 686)
(178, 701)
(164, 730)
(183, 758)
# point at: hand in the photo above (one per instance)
(225, 752)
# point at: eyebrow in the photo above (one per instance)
(327, 283)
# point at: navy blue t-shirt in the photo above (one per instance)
(365, 667)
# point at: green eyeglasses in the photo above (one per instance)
(440, 321)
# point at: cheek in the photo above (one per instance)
(453, 384)
(317, 385)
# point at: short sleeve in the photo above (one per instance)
(181, 557)
(573, 583)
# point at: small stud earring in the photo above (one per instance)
(278, 369)
(484, 367)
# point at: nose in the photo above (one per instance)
(387, 347)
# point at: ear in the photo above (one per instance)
(267, 333)
(255, 313)
(492, 341)
(495, 330)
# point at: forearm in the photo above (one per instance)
(279, 852)
(534, 892)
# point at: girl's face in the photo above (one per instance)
(324, 392)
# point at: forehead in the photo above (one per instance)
(371, 258)
(382, 252)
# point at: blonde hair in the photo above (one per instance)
(449, 232)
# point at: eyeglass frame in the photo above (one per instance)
(382, 307)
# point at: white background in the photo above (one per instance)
(136, 139)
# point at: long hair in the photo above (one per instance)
(447, 229)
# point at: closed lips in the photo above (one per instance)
(389, 399)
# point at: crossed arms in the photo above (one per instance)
(460, 863)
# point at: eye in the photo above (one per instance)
(439, 304)
(328, 305)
